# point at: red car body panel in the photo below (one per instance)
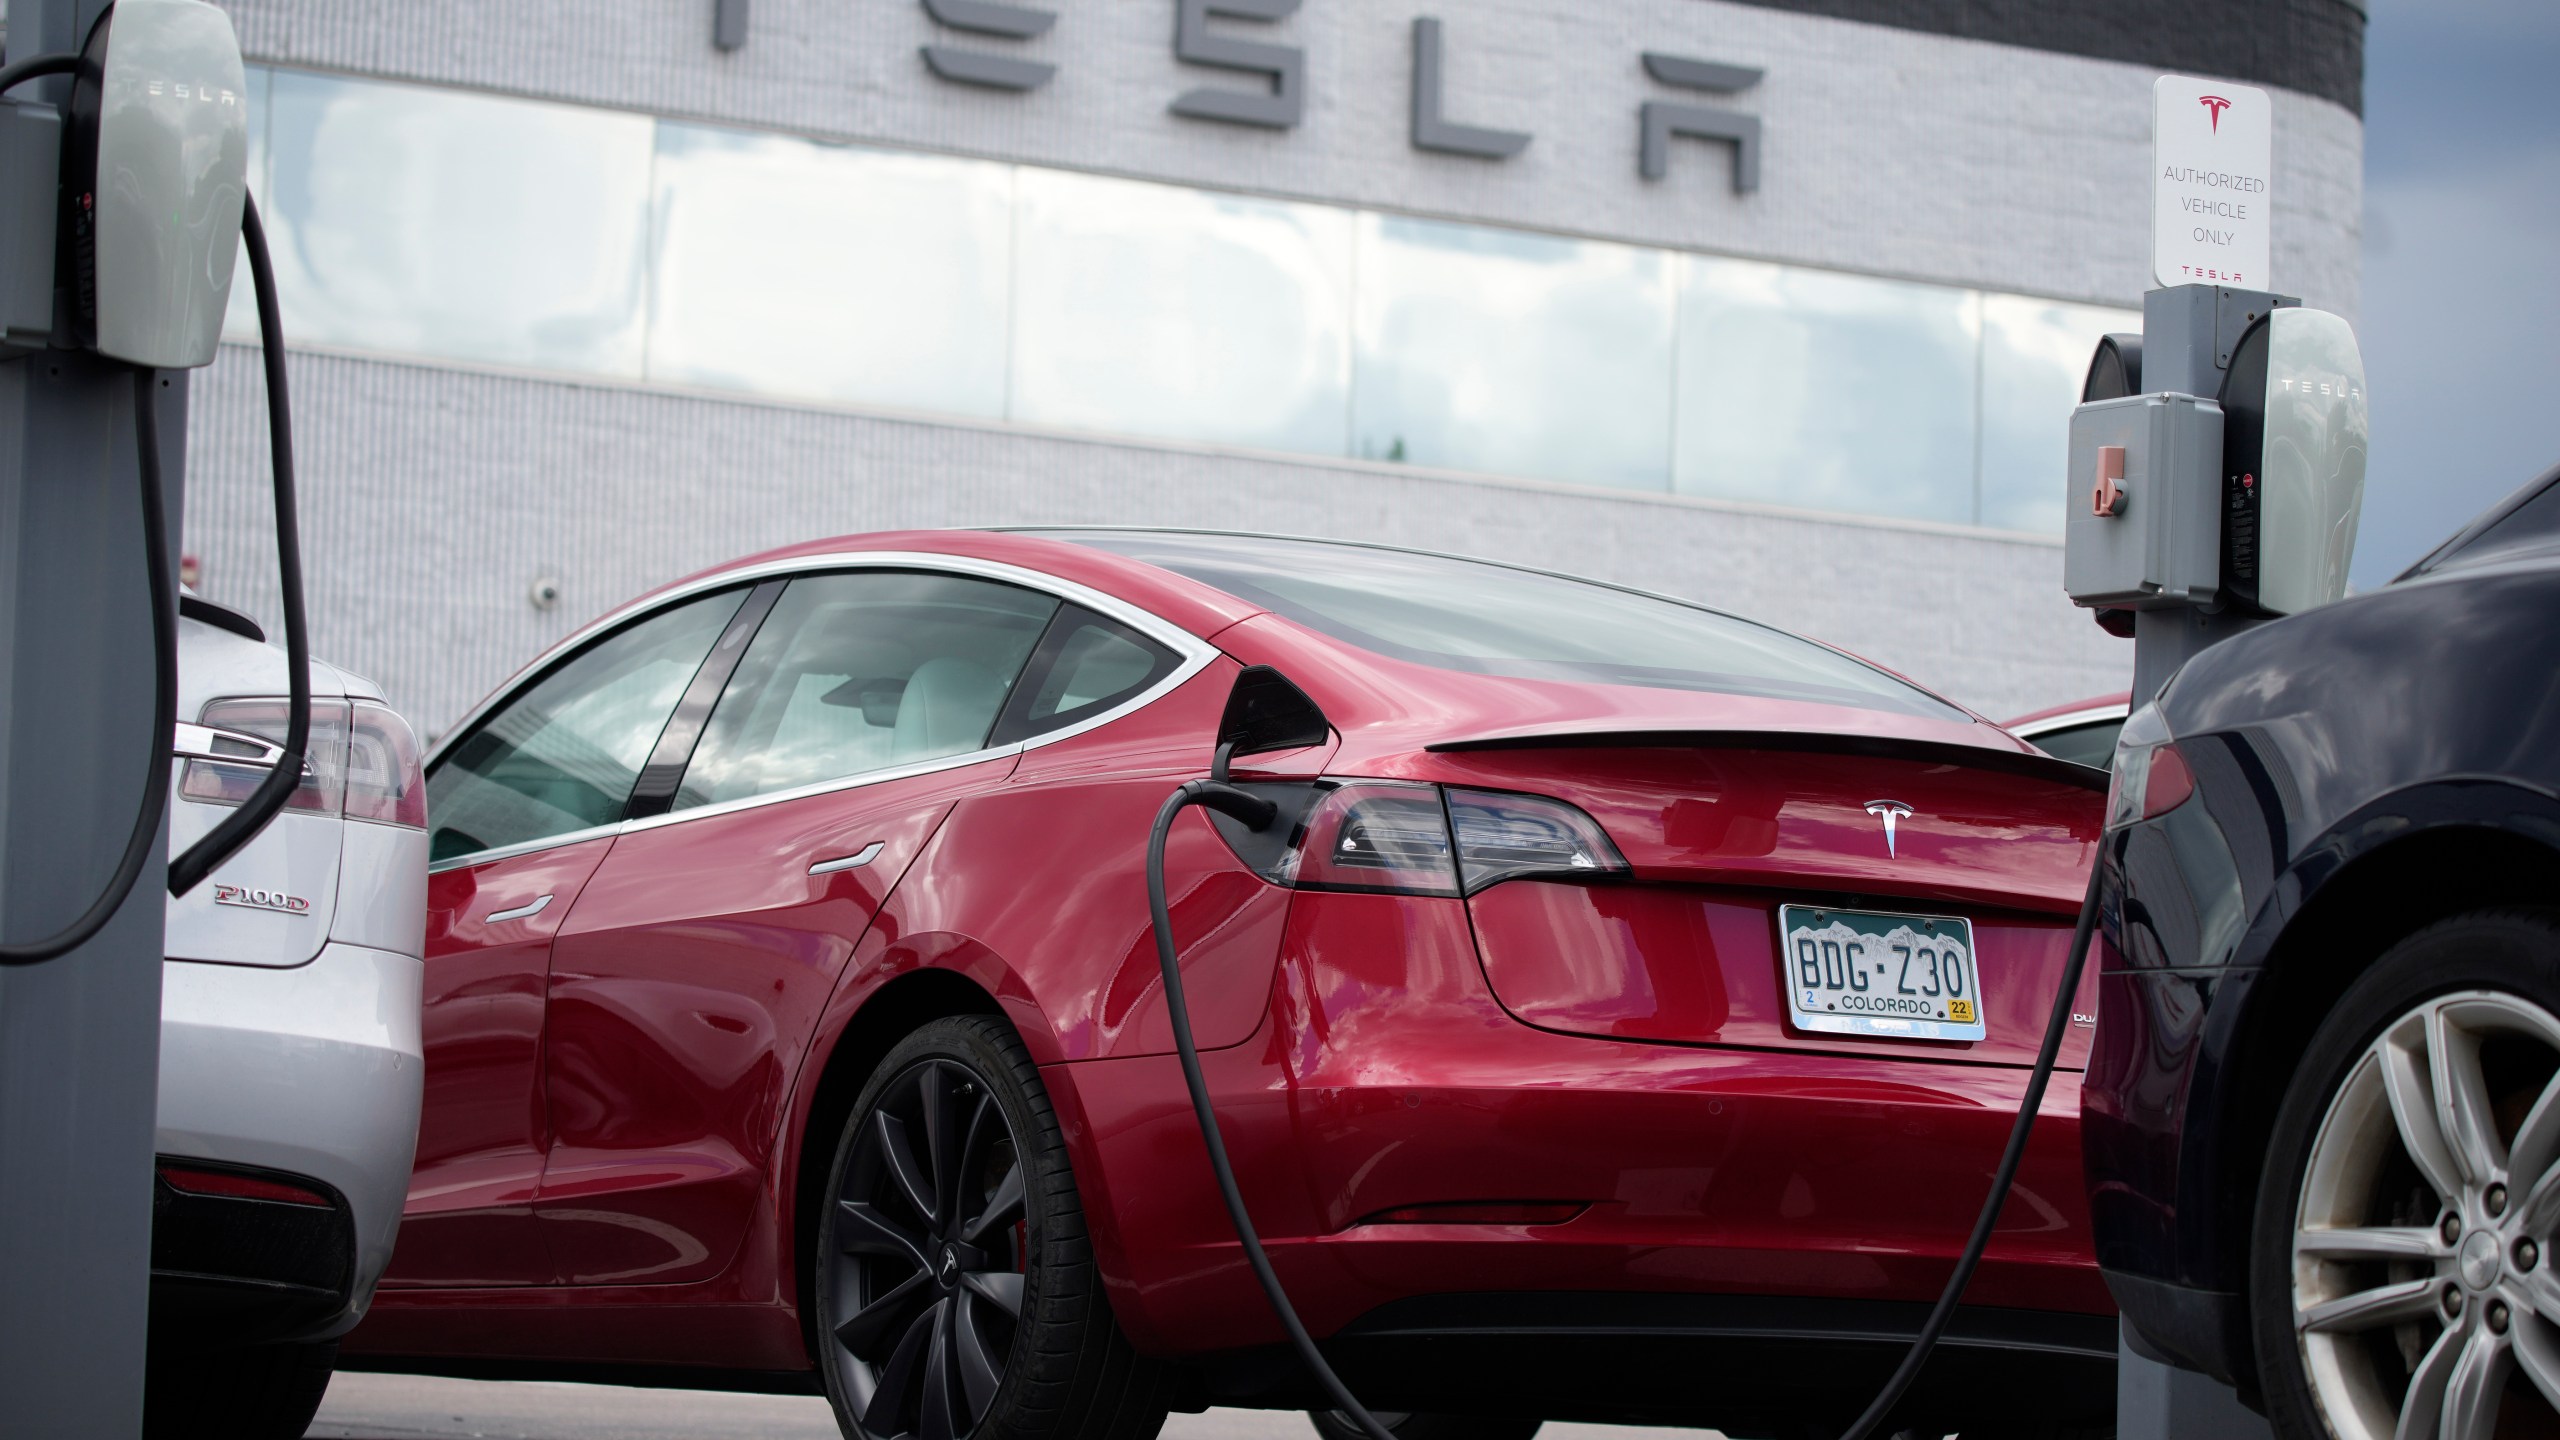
(1622, 1048)
(482, 1133)
(685, 989)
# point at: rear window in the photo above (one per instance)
(1487, 619)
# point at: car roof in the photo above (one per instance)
(2525, 522)
(1360, 688)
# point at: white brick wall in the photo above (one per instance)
(432, 499)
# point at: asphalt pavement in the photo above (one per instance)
(416, 1407)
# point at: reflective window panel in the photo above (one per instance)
(1155, 310)
(825, 272)
(2035, 354)
(1826, 391)
(1521, 354)
(458, 226)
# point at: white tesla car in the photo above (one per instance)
(290, 1068)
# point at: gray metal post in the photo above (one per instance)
(79, 1036)
(2188, 332)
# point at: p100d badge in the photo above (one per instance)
(249, 898)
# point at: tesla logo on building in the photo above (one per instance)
(1273, 90)
(248, 898)
(2214, 105)
(1890, 812)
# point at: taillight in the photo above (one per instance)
(2151, 778)
(1368, 836)
(384, 783)
(1502, 836)
(362, 762)
(1405, 838)
(322, 791)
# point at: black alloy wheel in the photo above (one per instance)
(955, 1287)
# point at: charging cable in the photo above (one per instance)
(2001, 1179)
(242, 825)
(164, 640)
(1256, 813)
(164, 701)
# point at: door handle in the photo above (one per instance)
(521, 912)
(854, 861)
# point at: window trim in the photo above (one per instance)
(1194, 652)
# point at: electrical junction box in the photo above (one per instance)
(155, 173)
(2142, 525)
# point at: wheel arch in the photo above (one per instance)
(889, 1014)
(2424, 861)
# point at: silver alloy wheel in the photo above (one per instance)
(2424, 1286)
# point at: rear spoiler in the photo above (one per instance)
(1887, 747)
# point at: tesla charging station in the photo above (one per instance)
(2216, 476)
(122, 174)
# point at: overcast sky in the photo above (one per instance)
(2461, 323)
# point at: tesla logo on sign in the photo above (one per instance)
(2214, 105)
(1890, 812)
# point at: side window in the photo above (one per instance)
(563, 754)
(1086, 665)
(862, 671)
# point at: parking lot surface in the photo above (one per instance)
(417, 1407)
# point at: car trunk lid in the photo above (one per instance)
(1720, 829)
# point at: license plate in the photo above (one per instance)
(1901, 977)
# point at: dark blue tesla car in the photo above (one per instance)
(2322, 1123)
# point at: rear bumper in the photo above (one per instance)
(1385, 1076)
(313, 1072)
(1737, 1361)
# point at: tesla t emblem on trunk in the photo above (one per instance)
(1890, 812)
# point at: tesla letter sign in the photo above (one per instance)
(2212, 148)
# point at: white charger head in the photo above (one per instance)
(155, 171)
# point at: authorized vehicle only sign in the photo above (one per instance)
(2212, 149)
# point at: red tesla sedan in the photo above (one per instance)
(1623, 1028)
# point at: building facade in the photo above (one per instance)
(1779, 306)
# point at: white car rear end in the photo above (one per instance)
(290, 1064)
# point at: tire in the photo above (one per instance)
(956, 1296)
(258, 1392)
(1407, 1425)
(2399, 1273)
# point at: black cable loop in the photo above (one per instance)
(242, 825)
(12, 76)
(164, 705)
